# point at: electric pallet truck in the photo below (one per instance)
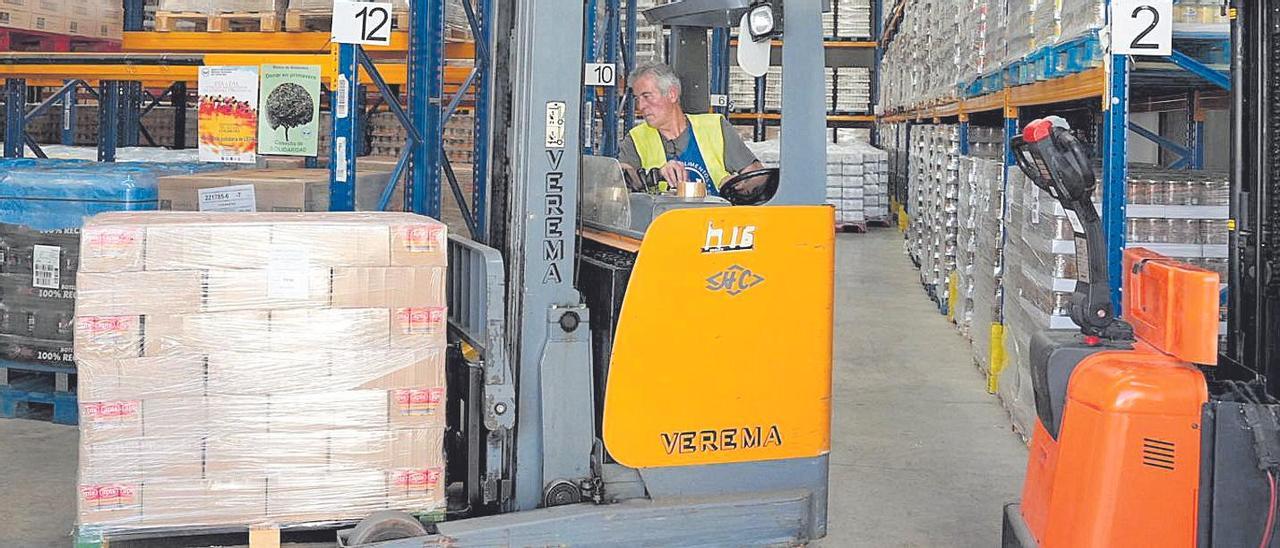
(1133, 446)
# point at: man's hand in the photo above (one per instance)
(674, 172)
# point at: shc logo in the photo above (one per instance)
(741, 238)
(733, 280)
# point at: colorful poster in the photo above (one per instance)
(289, 123)
(228, 114)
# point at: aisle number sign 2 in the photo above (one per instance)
(1142, 27)
(367, 23)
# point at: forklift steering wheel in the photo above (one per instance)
(734, 191)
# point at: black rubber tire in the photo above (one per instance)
(386, 525)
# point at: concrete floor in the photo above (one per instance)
(920, 456)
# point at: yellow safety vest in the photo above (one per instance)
(706, 128)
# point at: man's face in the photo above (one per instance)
(656, 108)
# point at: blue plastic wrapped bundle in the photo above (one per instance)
(42, 207)
(61, 199)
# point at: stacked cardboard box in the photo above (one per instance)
(934, 187)
(86, 18)
(273, 190)
(259, 368)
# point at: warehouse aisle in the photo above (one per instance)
(921, 455)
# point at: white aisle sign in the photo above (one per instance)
(366, 23)
(601, 74)
(1142, 27)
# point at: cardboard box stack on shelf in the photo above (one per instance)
(101, 19)
(272, 190)
(246, 368)
(651, 42)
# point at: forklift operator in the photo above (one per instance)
(712, 152)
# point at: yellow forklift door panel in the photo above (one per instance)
(723, 349)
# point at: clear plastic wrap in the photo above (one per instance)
(1081, 16)
(857, 178)
(238, 369)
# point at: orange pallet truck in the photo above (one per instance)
(1135, 443)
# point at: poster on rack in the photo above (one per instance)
(227, 118)
(289, 123)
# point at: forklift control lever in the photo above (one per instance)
(1056, 162)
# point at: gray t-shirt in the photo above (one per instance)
(737, 156)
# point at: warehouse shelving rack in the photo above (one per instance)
(1107, 82)
(171, 61)
(1085, 74)
(760, 117)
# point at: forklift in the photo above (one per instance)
(1148, 433)
(631, 367)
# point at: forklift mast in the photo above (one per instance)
(1253, 352)
(534, 220)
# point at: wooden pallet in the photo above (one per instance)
(34, 40)
(253, 21)
(858, 227)
(256, 536)
(311, 20)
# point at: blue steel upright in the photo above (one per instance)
(15, 102)
(1115, 169)
(720, 67)
(425, 91)
(589, 40)
(609, 135)
(483, 31)
(342, 153)
(629, 64)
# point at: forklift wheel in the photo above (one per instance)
(386, 525)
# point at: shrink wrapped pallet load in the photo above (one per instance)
(247, 368)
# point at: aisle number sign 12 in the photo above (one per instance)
(1142, 27)
(367, 23)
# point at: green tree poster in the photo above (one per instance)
(289, 110)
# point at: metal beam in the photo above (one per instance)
(1181, 151)
(482, 25)
(1202, 70)
(804, 125)
(342, 154)
(1115, 170)
(426, 62)
(15, 101)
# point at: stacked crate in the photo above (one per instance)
(247, 368)
(853, 90)
(1020, 33)
(79, 18)
(851, 19)
(857, 179)
(934, 189)
(986, 272)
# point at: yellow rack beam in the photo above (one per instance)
(1085, 85)
(275, 42)
(392, 73)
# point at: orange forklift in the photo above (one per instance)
(1146, 436)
